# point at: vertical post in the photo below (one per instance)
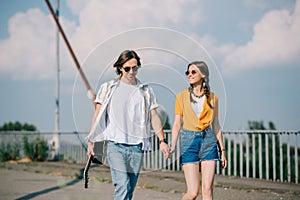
(152, 165)
(247, 156)
(159, 156)
(267, 155)
(288, 158)
(148, 159)
(56, 142)
(241, 154)
(229, 155)
(296, 159)
(260, 154)
(274, 156)
(235, 155)
(253, 157)
(281, 157)
(226, 136)
(145, 159)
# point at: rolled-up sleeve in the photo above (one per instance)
(153, 100)
(101, 94)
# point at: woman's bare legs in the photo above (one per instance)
(208, 175)
(192, 178)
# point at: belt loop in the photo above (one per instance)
(204, 133)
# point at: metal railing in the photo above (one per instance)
(270, 155)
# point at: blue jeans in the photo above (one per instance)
(125, 164)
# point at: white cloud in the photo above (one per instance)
(29, 52)
(99, 20)
(23, 53)
(275, 41)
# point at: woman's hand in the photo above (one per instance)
(172, 150)
(223, 160)
(165, 149)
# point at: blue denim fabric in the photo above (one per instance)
(125, 164)
(197, 146)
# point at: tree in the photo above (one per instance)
(272, 126)
(259, 125)
(29, 127)
(17, 126)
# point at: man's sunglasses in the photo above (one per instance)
(134, 69)
(193, 72)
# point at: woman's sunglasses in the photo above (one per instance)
(134, 69)
(192, 72)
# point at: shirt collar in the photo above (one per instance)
(118, 80)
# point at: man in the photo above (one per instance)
(124, 109)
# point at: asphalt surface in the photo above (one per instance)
(63, 181)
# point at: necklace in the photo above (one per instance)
(198, 96)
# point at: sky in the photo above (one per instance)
(252, 48)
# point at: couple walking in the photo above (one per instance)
(125, 109)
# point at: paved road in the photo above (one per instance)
(28, 185)
(56, 182)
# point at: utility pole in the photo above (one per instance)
(55, 144)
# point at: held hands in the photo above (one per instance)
(172, 150)
(165, 149)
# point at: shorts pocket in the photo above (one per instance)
(186, 141)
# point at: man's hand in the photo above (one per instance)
(90, 150)
(165, 149)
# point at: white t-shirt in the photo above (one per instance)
(198, 106)
(124, 115)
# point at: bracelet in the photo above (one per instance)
(222, 149)
(163, 140)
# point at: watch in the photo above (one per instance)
(163, 140)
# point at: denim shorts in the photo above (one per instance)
(197, 146)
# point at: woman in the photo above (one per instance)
(197, 108)
(124, 109)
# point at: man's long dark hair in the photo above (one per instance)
(123, 58)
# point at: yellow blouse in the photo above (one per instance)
(190, 120)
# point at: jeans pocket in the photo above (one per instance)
(138, 148)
